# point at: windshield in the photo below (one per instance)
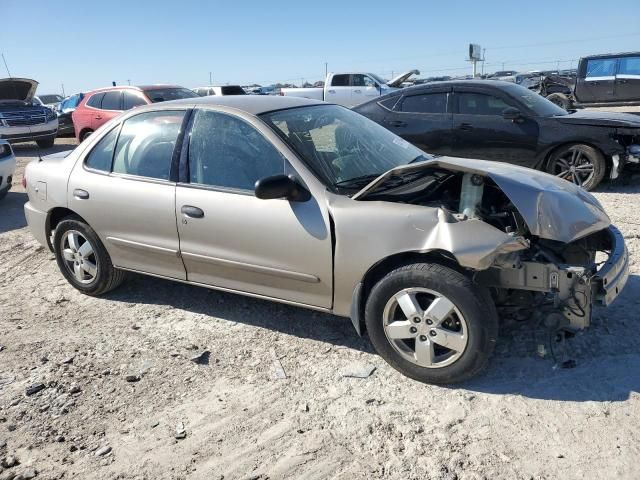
(378, 79)
(535, 102)
(165, 94)
(342, 146)
(50, 98)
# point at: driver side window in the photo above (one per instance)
(227, 152)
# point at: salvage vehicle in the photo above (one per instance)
(601, 81)
(65, 112)
(220, 90)
(312, 204)
(350, 89)
(20, 119)
(502, 121)
(99, 106)
(7, 167)
(51, 100)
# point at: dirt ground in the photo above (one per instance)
(120, 385)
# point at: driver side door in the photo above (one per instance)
(234, 241)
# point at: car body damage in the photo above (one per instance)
(515, 229)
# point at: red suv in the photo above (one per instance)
(99, 106)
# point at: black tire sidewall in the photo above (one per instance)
(474, 304)
(597, 159)
(105, 268)
(47, 142)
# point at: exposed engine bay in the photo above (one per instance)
(547, 279)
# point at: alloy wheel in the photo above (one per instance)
(575, 166)
(425, 327)
(79, 256)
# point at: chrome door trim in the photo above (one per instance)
(231, 290)
(121, 242)
(276, 272)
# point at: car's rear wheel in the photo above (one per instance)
(432, 323)
(46, 142)
(82, 258)
(85, 134)
(578, 163)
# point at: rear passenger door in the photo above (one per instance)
(125, 191)
(424, 119)
(628, 79)
(596, 81)
(339, 91)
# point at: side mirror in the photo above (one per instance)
(511, 114)
(281, 186)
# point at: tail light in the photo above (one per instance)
(24, 182)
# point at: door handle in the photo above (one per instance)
(397, 123)
(357, 91)
(331, 91)
(192, 212)
(622, 80)
(465, 126)
(80, 194)
(98, 117)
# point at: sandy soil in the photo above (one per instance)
(240, 419)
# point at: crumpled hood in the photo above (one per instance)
(397, 81)
(602, 119)
(17, 89)
(552, 208)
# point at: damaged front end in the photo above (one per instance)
(542, 245)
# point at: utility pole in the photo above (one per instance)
(128, 81)
(484, 50)
(62, 85)
(503, 66)
(326, 69)
(210, 78)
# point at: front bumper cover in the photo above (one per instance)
(611, 278)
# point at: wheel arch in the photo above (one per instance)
(54, 217)
(377, 271)
(554, 148)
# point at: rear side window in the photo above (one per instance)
(360, 80)
(130, 100)
(112, 100)
(100, 157)
(96, 100)
(232, 90)
(629, 66)
(227, 152)
(601, 67)
(146, 144)
(428, 103)
(340, 81)
(480, 104)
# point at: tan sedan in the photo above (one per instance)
(311, 204)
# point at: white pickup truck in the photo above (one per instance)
(350, 89)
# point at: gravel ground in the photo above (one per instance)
(159, 380)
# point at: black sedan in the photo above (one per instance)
(502, 121)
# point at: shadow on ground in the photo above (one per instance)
(12, 211)
(30, 150)
(607, 355)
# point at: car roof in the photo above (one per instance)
(456, 83)
(252, 104)
(158, 86)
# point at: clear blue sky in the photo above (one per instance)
(88, 44)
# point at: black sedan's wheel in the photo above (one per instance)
(581, 164)
(82, 258)
(431, 323)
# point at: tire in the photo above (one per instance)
(95, 272)
(589, 165)
(560, 99)
(3, 193)
(471, 318)
(47, 142)
(85, 134)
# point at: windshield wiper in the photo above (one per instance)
(356, 182)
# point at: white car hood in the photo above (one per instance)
(397, 81)
(17, 89)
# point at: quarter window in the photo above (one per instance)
(480, 104)
(96, 100)
(146, 144)
(340, 81)
(227, 152)
(601, 67)
(629, 66)
(428, 103)
(130, 100)
(111, 100)
(100, 157)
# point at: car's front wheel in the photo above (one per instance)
(581, 164)
(431, 323)
(46, 142)
(82, 258)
